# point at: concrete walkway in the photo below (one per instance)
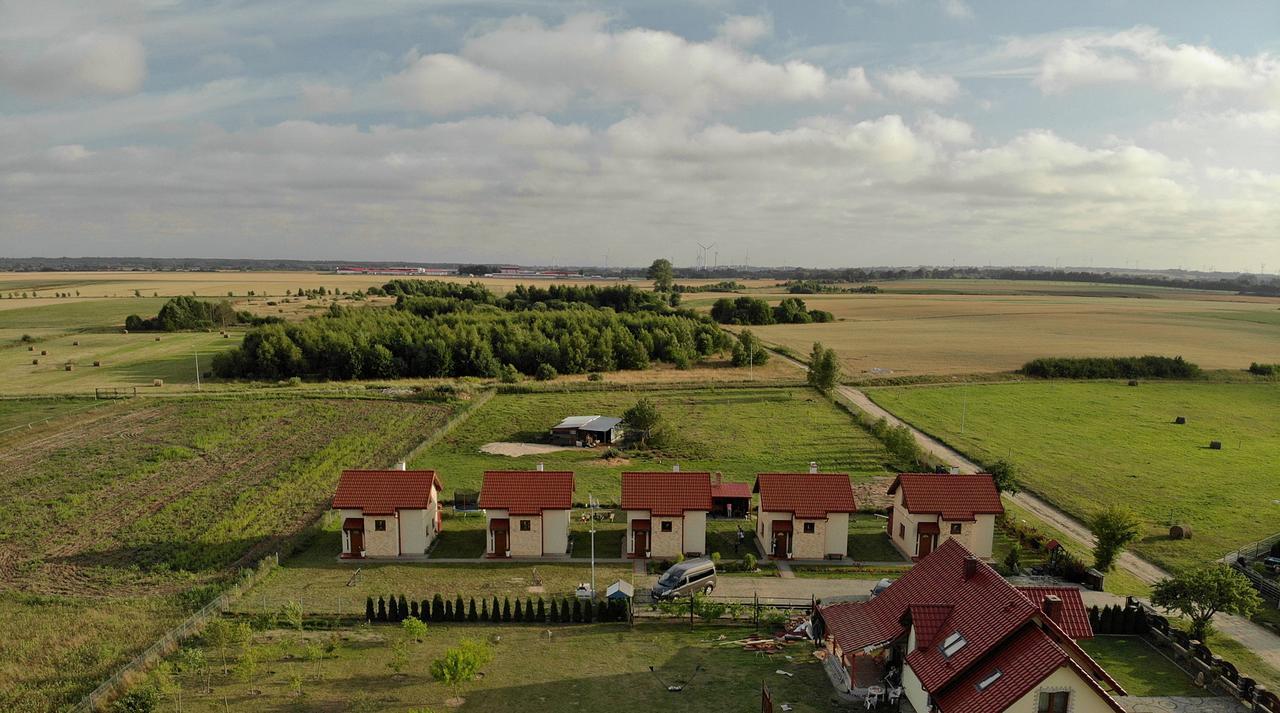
(784, 570)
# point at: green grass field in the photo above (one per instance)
(137, 509)
(1138, 668)
(738, 432)
(21, 413)
(591, 667)
(1082, 444)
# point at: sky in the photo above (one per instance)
(1119, 133)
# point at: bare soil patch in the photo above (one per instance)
(515, 450)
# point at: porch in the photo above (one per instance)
(867, 686)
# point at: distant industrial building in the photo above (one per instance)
(398, 271)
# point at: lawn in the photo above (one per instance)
(739, 432)
(137, 509)
(1139, 668)
(18, 413)
(534, 669)
(1081, 444)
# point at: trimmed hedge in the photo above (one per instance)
(1143, 367)
(438, 609)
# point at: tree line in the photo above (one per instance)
(1143, 367)
(184, 313)
(756, 311)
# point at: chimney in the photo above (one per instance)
(540, 467)
(401, 465)
(717, 478)
(970, 566)
(813, 466)
(1052, 607)
(954, 470)
(675, 468)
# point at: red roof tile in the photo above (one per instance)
(731, 490)
(806, 495)
(953, 496)
(382, 492)
(935, 596)
(527, 492)
(1074, 618)
(666, 493)
(1023, 661)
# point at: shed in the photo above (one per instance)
(729, 499)
(586, 430)
(620, 590)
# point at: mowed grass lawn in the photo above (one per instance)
(590, 667)
(738, 432)
(120, 520)
(1086, 445)
(1139, 668)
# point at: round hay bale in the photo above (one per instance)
(157, 382)
(31, 349)
(1180, 532)
(226, 336)
(157, 339)
(1180, 420)
(44, 352)
(75, 343)
(70, 367)
(35, 361)
(1133, 382)
(97, 363)
(1215, 445)
(124, 331)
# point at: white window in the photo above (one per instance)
(953, 643)
(990, 679)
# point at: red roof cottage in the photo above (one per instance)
(804, 515)
(666, 513)
(527, 512)
(931, 508)
(960, 639)
(388, 513)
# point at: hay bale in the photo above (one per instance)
(70, 367)
(1180, 532)
(157, 382)
(124, 331)
(1180, 420)
(35, 362)
(44, 352)
(31, 349)
(1215, 445)
(97, 363)
(157, 339)
(75, 343)
(226, 336)
(1133, 382)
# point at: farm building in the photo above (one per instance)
(586, 431)
(729, 499)
(958, 638)
(931, 508)
(666, 513)
(388, 513)
(526, 512)
(804, 515)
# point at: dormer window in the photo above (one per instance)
(991, 678)
(952, 644)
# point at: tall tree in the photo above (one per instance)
(1005, 475)
(1200, 593)
(645, 418)
(749, 351)
(662, 275)
(824, 368)
(1113, 529)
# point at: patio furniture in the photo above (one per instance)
(895, 692)
(874, 694)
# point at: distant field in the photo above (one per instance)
(131, 509)
(739, 432)
(910, 334)
(15, 413)
(1081, 445)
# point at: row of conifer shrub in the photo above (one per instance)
(561, 610)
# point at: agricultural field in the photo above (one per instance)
(122, 518)
(534, 669)
(888, 335)
(736, 431)
(1079, 444)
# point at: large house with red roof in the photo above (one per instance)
(527, 512)
(804, 515)
(931, 508)
(960, 639)
(666, 513)
(388, 513)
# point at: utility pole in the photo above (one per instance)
(197, 353)
(592, 504)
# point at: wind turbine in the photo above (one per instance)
(705, 248)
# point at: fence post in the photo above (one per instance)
(756, 605)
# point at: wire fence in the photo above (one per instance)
(99, 697)
(1245, 557)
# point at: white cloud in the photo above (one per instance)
(945, 129)
(91, 63)
(443, 84)
(914, 85)
(321, 98)
(744, 30)
(957, 9)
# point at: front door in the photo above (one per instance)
(500, 543)
(642, 543)
(780, 545)
(924, 543)
(357, 542)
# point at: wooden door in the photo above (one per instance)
(642, 543)
(780, 545)
(925, 542)
(500, 542)
(357, 542)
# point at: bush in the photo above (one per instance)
(542, 610)
(459, 613)
(555, 612)
(143, 699)
(508, 374)
(506, 610)
(518, 617)
(1144, 367)
(403, 609)
(595, 376)
(382, 609)
(749, 562)
(472, 616)
(1254, 368)
(369, 614)
(545, 372)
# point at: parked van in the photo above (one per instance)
(686, 578)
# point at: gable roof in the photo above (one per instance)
(731, 490)
(806, 495)
(1074, 620)
(666, 493)
(937, 598)
(527, 492)
(952, 496)
(382, 492)
(1024, 661)
(588, 423)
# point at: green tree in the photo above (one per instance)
(1200, 593)
(1005, 475)
(414, 628)
(662, 275)
(291, 612)
(749, 350)
(1113, 529)
(824, 368)
(227, 639)
(645, 418)
(461, 663)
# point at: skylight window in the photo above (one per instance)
(990, 679)
(953, 644)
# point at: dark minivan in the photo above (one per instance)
(686, 578)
